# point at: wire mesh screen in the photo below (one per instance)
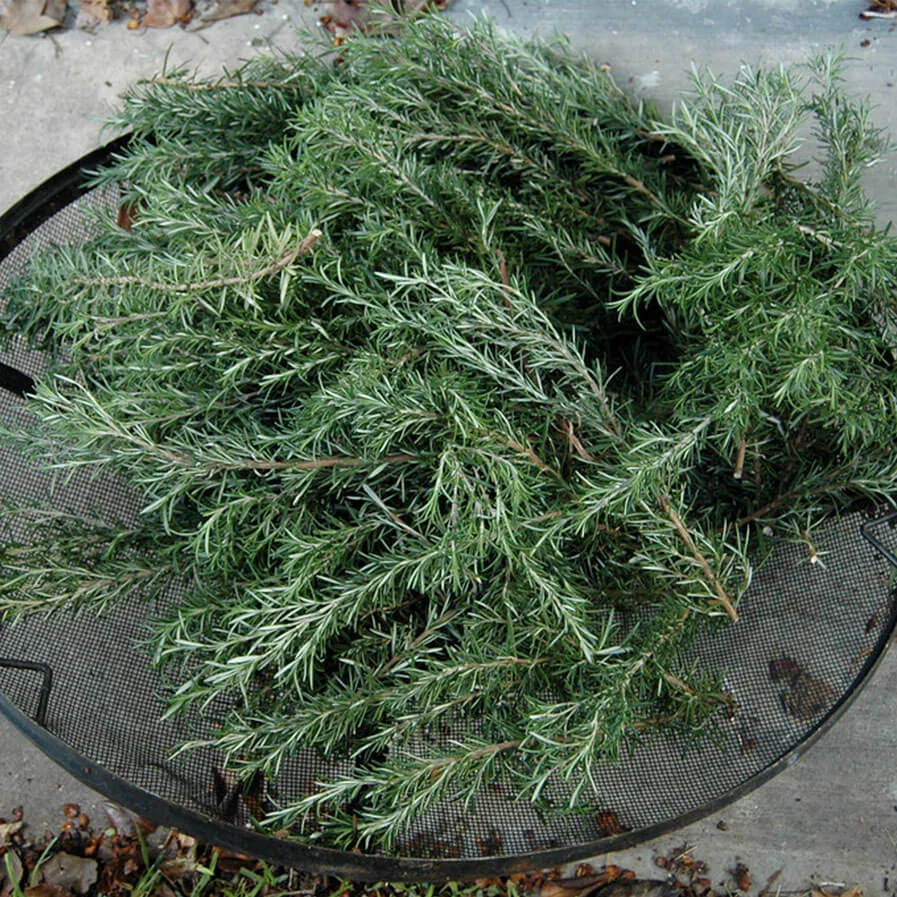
(811, 630)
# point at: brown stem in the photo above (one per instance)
(442, 765)
(502, 267)
(527, 450)
(738, 472)
(312, 463)
(634, 669)
(279, 264)
(503, 273)
(639, 187)
(651, 135)
(397, 658)
(762, 512)
(709, 575)
(126, 319)
(677, 683)
(270, 464)
(817, 235)
(222, 85)
(574, 444)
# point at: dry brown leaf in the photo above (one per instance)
(644, 887)
(341, 17)
(565, 888)
(208, 11)
(70, 873)
(45, 890)
(742, 877)
(556, 889)
(179, 855)
(93, 14)
(230, 861)
(177, 844)
(31, 16)
(165, 13)
(163, 889)
(8, 829)
(586, 884)
(609, 824)
(122, 820)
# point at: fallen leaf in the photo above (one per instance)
(563, 888)
(340, 17)
(580, 884)
(178, 845)
(122, 821)
(559, 889)
(229, 861)
(208, 11)
(31, 16)
(179, 855)
(770, 882)
(70, 873)
(45, 890)
(93, 14)
(742, 877)
(642, 888)
(165, 13)
(609, 824)
(8, 829)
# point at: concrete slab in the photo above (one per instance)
(832, 817)
(42, 789)
(57, 90)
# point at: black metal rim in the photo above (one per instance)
(15, 225)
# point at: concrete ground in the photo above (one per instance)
(831, 817)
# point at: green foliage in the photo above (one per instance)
(452, 382)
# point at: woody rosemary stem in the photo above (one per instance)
(197, 286)
(711, 577)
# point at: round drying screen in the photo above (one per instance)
(85, 691)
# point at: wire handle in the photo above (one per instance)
(40, 715)
(866, 531)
